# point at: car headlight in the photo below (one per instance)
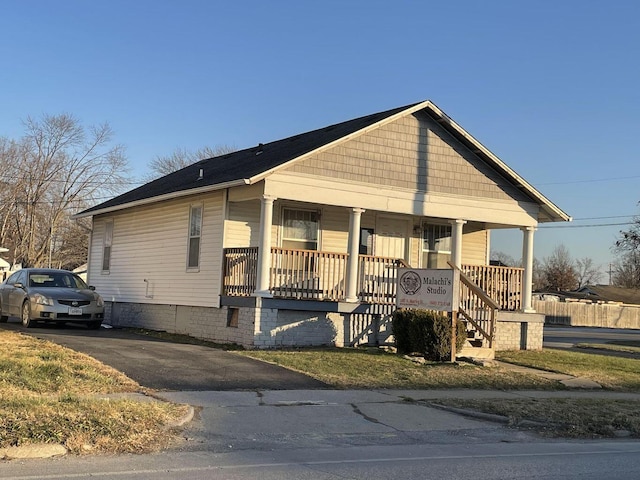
(42, 300)
(99, 300)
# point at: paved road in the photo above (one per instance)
(567, 337)
(489, 461)
(164, 365)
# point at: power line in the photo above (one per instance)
(593, 180)
(587, 226)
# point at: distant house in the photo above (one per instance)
(608, 293)
(298, 241)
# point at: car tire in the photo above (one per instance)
(94, 325)
(26, 315)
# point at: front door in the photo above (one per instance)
(391, 237)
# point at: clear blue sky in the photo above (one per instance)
(552, 87)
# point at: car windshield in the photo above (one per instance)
(55, 279)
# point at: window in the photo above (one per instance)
(233, 315)
(436, 246)
(300, 229)
(106, 247)
(366, 241)
(195, 232)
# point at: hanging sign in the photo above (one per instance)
(428, 288)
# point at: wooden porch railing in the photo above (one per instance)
(477, 308)
(502, 284)
(240, 271)
(377, 279)
(310, 275)
(314, 275)
(307, 274)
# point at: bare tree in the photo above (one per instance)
(57, 168)
(165, 164)
(558, 270)
(626, 270)
(504, 259)
(587, 273)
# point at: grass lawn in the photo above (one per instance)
(372, 368)
(46, 396)
(613, 373)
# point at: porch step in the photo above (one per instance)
(482, 353)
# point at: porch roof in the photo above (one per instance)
(253, 164)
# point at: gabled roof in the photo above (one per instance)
(251, 165)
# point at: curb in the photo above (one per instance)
(49, 450)
(38, 450)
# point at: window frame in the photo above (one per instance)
(107, 246)
(291, 240)
(191, 236)
(437, 237)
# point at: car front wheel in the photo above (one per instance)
(3, 318)
(26, 315)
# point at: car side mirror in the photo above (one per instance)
(18, 285)
(91, 287)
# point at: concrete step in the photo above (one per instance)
(481, 353)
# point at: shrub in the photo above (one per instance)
(426, 332)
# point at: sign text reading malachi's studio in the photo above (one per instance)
(432, 289)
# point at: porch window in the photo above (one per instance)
(299, 229)
(195, 232)
(436, 246)
(106, 246)
(366, 241)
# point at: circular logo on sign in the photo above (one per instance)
(410, 282)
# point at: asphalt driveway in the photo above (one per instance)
(165, 365)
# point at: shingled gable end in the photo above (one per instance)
(297, 241)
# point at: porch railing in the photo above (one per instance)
(240, 271)
(502, 284)
(377, 279)
(314, 275)
(307, 274)
(310, 275)
(478, 309)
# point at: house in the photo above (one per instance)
(603, 306)
(298, 241)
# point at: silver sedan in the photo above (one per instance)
(50, 295)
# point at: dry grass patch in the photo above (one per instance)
(564, 417)
(614, 373)
(38, 366)
(47, 396)
(373, 368)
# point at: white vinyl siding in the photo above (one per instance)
(335, 229)
(242, 227)
(474, 248)
(151, 244)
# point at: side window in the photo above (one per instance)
(16, 277)
(436, 246)
(195, 232)
(106, 246)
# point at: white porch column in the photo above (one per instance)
(527, 259)
(264, 248)
(353, 251)
(456, 241)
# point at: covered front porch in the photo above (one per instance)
(321, 276)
